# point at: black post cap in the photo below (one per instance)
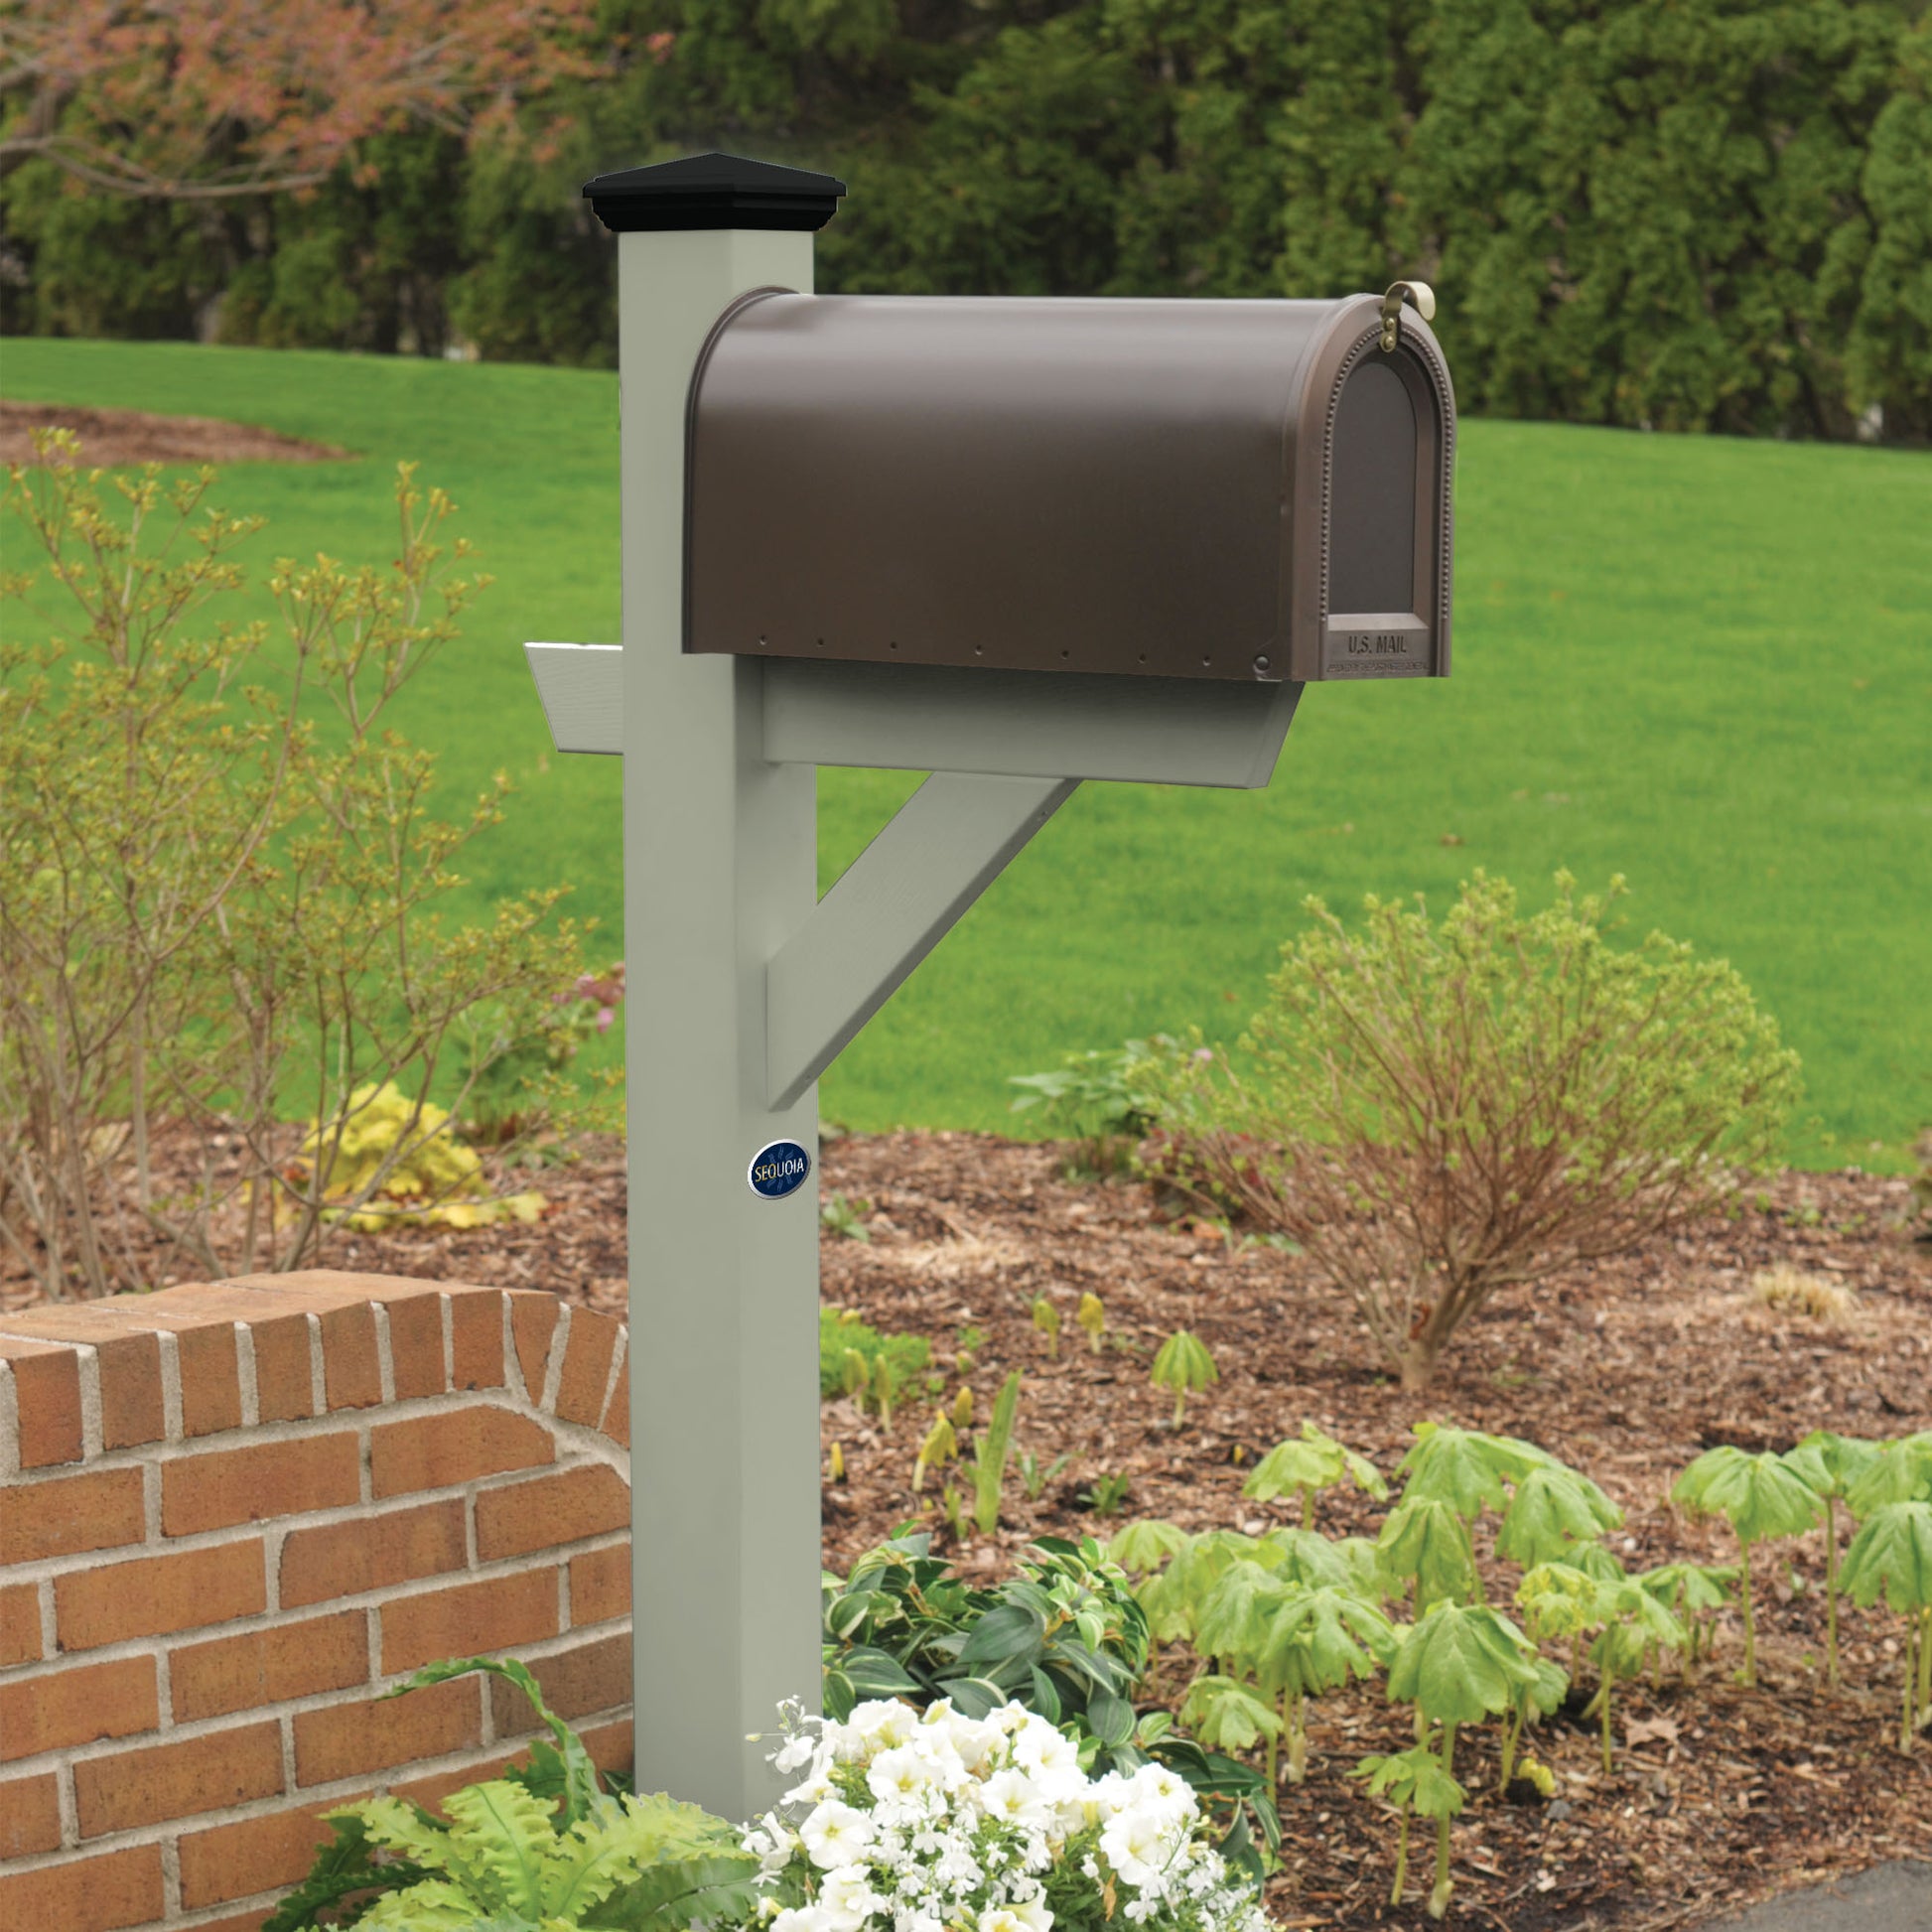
(713, 190)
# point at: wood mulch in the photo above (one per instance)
(1720, 1795)
(118, 438)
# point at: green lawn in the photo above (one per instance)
(1704, 663)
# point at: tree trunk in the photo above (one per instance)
(1416, 1362)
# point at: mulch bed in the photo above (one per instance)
(117, 438)
(1720, 1795)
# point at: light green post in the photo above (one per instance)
(720, 856)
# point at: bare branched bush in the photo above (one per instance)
(1434, 1112)
(219, 885)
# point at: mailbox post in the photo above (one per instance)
(983, 540)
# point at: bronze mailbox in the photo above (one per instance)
(1166, 489)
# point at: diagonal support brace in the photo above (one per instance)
(946, 844)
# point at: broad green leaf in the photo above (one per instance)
(1012, 1631)
(1183, 1364)
(1459, 1663)
(1229, 1627)
(1425, 1540)
(1304, 1556)
(1110, 1717)
(1757, 1495)
(1316, 1641)
(1891, 1555)
(499, 1839)
(1690, 1588)
(1143, 1548)
(1226, 1715)
(1289, 1467)
(1558, 1599)
(1901, 1473)
(1829, 1464)
(1413, 1779)
(1552, 1510)
(1466, 1468)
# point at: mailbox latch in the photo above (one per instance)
(1421, 294)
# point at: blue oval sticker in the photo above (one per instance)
(780, 1169)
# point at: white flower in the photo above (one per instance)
(1001, 1918)
(903, 1776)
(1163, 1790)
(848, 1899)
(885, 1724)
(834, 1834)
(1138, 1844)
(801, 1918)
(794, 1751)
(1051, 1758)
(1033, 1913)
(1011, 1797)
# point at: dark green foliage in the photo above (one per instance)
(1708, 215)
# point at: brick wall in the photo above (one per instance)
(230, 1515)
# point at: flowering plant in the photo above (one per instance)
(909, 1821)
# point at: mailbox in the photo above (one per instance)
(1169, 489)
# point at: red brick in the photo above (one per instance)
(371, 1552)
(587, 1367)
(600, 1585)
(284, 1367)
(96, 1894)
(240, 1922)
(592, 1677)
(457, 1445)
(352, 1374)
(64, 1515)
(345, 1741)
(129, 1359)
(613, 1747)
(56, 1709)
(123, 1789)
(255, 1854)
(548, 1510)
(153, 1596)
(476, 1339)
(20, 1624)
(30, 1816)
(221, 1488)
(241, 1672)
(46, 1386)
(533, 1320)
(416, 1346)
(469, 1619)
(617, 1413)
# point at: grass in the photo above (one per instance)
(1699, 662)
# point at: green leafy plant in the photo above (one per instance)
(1762, 1499)
(844, 1217)
(1415, 1783)
(1306, 1466)
(1437, 1111)
(939, 1447)
(841, 1330)
(1101, 1098)
(1695, 1594)
(1047, 1318)
(1891, 1556)
(1828, 1466)
(544, 1847)
(1183, 1364)
(1092, 1317)
(990, 1455)
(1036, 1475)
(1108, 1492)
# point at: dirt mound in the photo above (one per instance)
(113, 438)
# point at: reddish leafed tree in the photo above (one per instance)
(180, 100)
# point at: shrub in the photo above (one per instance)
(1434, 1112)
(220, 887)
(1103, 1099)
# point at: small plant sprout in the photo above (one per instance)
(1695, 1592)
(1092, 1316)
(882, 1381)
(835, 1463)
(953, 1508)
(1033, 1476)
(1635, 1627)
(1760, 1499)
(962, 1409)
(1891, 1556)
(1456, 1664)
(1828, 1465)
(1047, 1318)
(1183, 1365)
(1415, 1782)
(1109, 1492)
(990, 1457)
(844, 1217)
(1305, 1467)
(941, 1446)
(856, 1375)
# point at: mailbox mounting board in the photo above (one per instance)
(1164, 488)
